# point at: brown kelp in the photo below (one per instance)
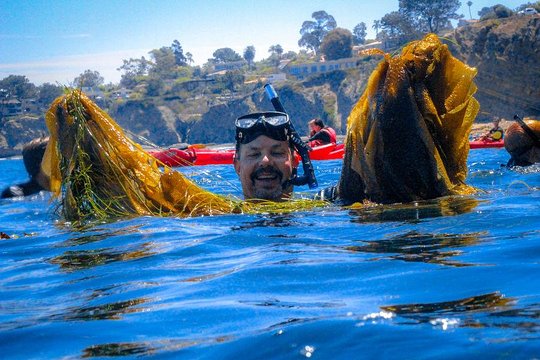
(99, 173)
(407, 137)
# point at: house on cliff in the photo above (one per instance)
(11, 107)
(303, 70)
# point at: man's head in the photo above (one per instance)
(521, 146)
(315, 125)
(264, 159)
(496, 122)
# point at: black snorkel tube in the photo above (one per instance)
(300, 146)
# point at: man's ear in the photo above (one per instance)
(236, 163)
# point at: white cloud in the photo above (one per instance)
(64, 69)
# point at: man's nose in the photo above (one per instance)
(265, 159)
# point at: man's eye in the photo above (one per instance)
(253, 155)
(278, 153)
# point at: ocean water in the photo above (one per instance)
(448, 279)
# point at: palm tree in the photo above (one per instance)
(376, 26)
(189, 57)
(469, 3)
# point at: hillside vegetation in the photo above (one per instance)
(505, 51)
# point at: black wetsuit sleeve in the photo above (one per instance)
(324, 136)
(22, 189)
(328, 194)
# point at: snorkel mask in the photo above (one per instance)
(274, 124)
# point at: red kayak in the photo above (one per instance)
(482, 144)
(194, 155)
(207, 156)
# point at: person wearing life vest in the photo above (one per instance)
(496, 133)
(320, 134)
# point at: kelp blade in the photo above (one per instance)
(407, 136)
(98, 172)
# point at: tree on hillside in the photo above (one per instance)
(337, 44)
(48, 92)
(359, 33)
(89, 78)
(249, 55)
(430, 15)
(154, 86)
(164, 63)
(17, 86)
(133, 69)
(502, 11)
(276, 51)
(225, 55)
(289, 55)
(189, 58)
(313, 32)
(376, 26)
(396, 27)
(231, 79)
(179, 57)
(484, 11)
(469, 4)
(494, 12)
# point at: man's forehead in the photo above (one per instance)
(264, 141)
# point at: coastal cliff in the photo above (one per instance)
(506, 53)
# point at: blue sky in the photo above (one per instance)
(55, 41)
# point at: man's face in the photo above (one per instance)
(313, 129)
(263, 166)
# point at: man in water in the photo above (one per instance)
(522, 141)
(320, 134)
(32, 154)
(264, 158)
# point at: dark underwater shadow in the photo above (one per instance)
(482, 302)
(415, 211)
(97, 234)
(74, 260)
(418, 247)
(268, 220)
(492, 310)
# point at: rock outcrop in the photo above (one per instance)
(506, 53)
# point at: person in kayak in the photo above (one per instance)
(32, 154)
(496, 133)
(320, 134)
(522, 141)
(264, 158)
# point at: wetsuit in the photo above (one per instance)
(32, 155)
